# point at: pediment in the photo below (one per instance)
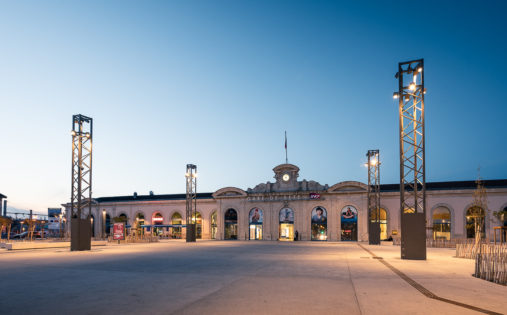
(229, 192)
(348, 186)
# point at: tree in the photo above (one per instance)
(7, 222)
(479, 209)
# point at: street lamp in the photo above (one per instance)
(373, 196)
(412, 158)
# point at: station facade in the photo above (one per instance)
(290, 208)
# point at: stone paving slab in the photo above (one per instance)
(217, 277)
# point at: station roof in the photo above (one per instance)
(455, 185)
(2, 196)
(151, 197)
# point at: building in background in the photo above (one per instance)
(288, 206)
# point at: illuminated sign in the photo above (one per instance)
(314, 196)
(119, 231)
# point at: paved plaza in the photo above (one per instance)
(218, 277)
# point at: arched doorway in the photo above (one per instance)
(349, 223)
(319, 224)
(198, 225)
(231, 225)
(475, 220)
(383, 224)
(286, 225)
(139, 222)
(176, 220)
(157, 220)
(441, 223)
(255, 218)
(108, 224)
(214, 226)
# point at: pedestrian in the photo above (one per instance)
(296, 235)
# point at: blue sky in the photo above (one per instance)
(216, 83)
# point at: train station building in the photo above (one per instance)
(290, 208)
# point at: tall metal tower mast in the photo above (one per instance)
(191, 204)
(410, 93)
(81, 190)
(374, 196)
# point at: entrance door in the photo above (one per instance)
(319, 224)
(349, 223)
(231, 225)
(286, 226)
(255, 218)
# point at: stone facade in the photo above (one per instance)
(302, 197)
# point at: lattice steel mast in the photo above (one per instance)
(191, 202)
(81, 190)
(374, 196)
(412, 159)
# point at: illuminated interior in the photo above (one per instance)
(441, 224)
(286, 231)
(214, 226)
(176, 220)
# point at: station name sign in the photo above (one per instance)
(283, 197)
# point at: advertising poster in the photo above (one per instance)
(319, 215)
(349, 214)
(286, 215)
(256, 216)
(119, 231)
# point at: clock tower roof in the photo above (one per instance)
(285, 167)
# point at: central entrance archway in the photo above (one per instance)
(255, 219)
(286, 226)
(231, 225)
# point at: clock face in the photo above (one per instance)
(285, 177)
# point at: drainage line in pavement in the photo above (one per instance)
(422, 289)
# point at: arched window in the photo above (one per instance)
(319, 224)
(157, 220)
(383, 224)
(255, 218)
(198, 225)
(441, 223)
(123, 216)
(348, 219)
(176, 221)
(286, 225)
(214, 225)
(231, 225)
(138, 223)
(108, 224)
(475, 221)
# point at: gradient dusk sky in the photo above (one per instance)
(216, 83)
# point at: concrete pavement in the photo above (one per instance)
(234, 277)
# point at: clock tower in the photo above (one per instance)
(286, 177)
